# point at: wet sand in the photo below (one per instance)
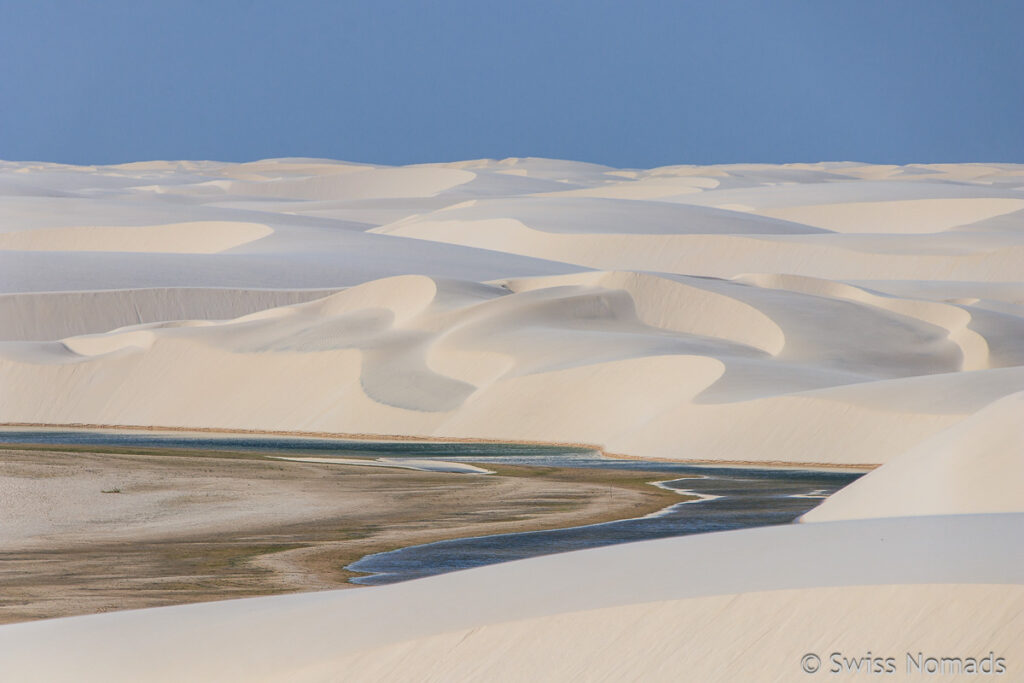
(96, 529)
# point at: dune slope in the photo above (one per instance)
(689, 605)
(842, 313)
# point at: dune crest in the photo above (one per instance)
(835, 312)
(902, 216)
(974, 467)
(198, 237)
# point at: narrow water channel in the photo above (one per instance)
(731, 498)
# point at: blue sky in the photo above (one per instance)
(633, 84)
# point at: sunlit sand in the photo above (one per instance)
(816, 315)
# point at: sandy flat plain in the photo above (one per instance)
(88, 531)
(835, 313)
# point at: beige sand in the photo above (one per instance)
(835, 313)
(906, 216)
(745, 605)
(201, 237)
(844, 313)
(975, 466)
(90, 532)
(422, 356)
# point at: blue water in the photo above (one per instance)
(746, 498)
(737, 497)
(277, 444)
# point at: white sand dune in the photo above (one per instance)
(975, 466)
(901, 216)
(356, 183)
(840, 313)
(832, 313)
(42, 316)
(200, 237)
(825, 256)
(803, 371)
